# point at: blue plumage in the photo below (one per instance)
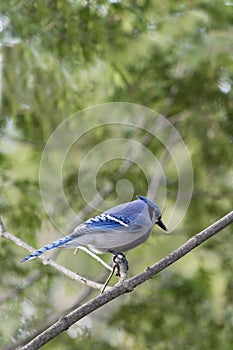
(49, 246)
(106, 221)
(115, 231)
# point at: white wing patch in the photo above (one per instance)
(105, 218)
(116, 220)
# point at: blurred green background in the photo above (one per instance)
(175, 57)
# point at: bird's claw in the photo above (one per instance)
(120, 264)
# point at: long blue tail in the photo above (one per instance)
(44, 249)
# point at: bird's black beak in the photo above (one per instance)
(161, 224)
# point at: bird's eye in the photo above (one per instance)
(160, 217)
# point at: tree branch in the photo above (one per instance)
(54, 317)
(127, 285)
(46, 261)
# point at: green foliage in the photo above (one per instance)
(174, 312)
(84, 342)
(173, 57)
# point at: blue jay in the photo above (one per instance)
(115, 231)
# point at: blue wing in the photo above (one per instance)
(107, 222)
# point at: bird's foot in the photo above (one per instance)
(120, 265)
(120, 268)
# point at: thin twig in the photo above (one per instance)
(127, 285)
(72, 275)
(108, 280)
(97, 258)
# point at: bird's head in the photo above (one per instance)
(154, 212)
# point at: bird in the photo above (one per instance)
(115, 231)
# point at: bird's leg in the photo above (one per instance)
(120, 265)
(120, 268)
